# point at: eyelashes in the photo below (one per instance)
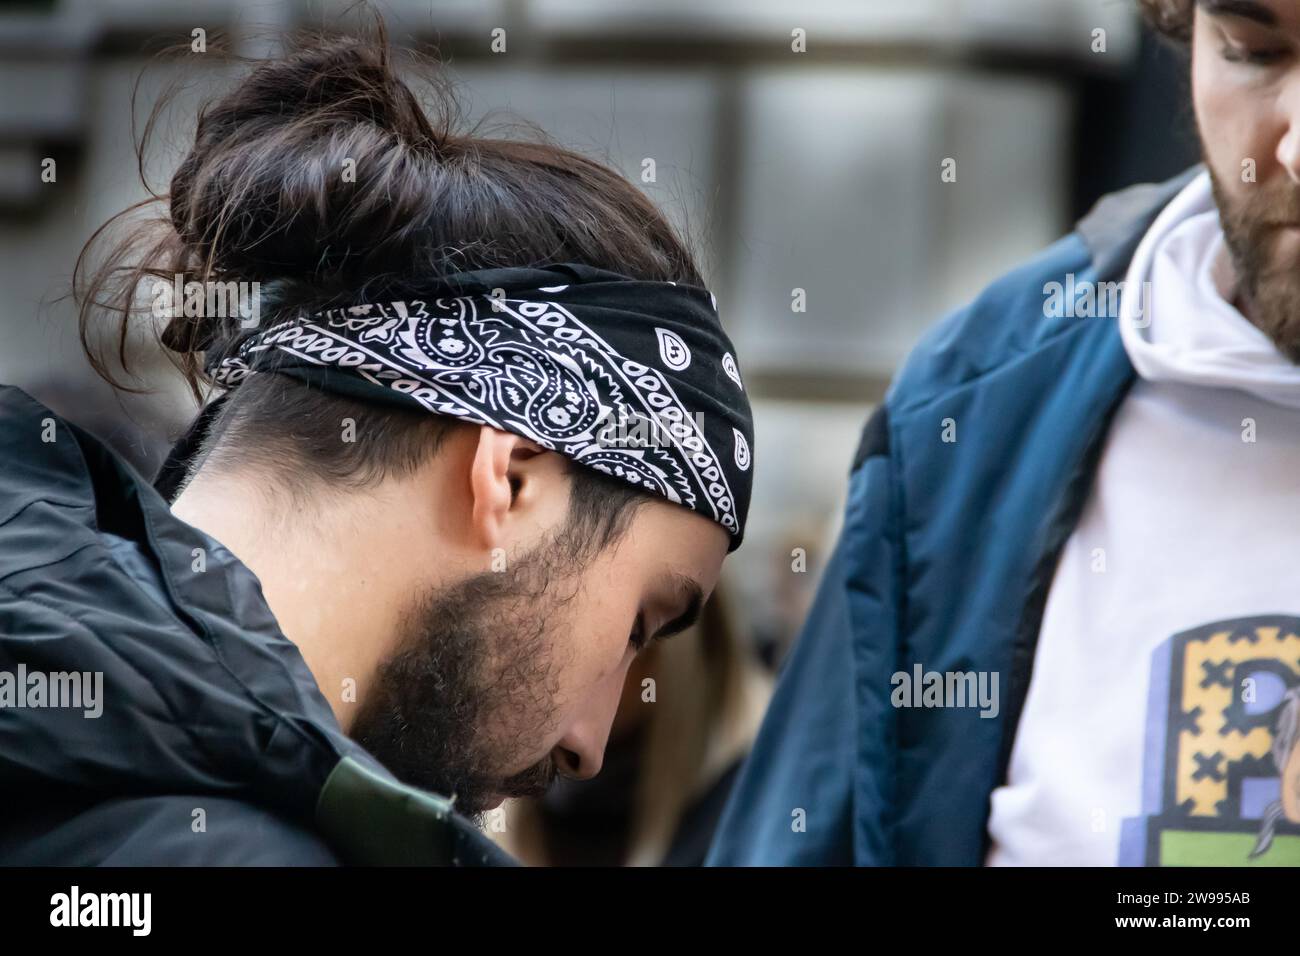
(638, 636)
(1235, 54)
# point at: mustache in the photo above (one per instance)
(533, 782)
(1269, 208)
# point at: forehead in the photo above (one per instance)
(674, 542)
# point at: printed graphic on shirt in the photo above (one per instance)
(1221, 770)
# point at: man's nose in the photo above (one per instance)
(1288, 148)
(581, 751)
(1288, 152)
(578, 759)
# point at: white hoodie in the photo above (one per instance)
(1171, 634)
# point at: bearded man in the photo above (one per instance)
(1097, 506)
(399, 566)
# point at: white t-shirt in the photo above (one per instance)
(1162, 711)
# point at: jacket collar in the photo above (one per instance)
(296, 757)
(1117, 222)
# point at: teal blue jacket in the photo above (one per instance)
(945, 559)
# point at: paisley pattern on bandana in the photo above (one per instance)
(530, 366)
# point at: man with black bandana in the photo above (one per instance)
(416, 537)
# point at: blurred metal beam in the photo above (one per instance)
(817, 387)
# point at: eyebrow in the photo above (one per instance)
(1246, 9)
(689, 594)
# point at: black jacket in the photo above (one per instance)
(213, 744)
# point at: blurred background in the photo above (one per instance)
(809, 181)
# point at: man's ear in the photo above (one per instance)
(497, 481)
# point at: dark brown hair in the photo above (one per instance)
(262, 196)
(1170, 18)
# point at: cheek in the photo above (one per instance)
(1211, 102)
(1233, 113)
(593, 647)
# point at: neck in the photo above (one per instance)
(309, 580)
(1241, 302)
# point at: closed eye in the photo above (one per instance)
(1239, 54)
(688, 597)
(638, 638)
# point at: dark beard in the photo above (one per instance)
(1270, 290)
(472, 655)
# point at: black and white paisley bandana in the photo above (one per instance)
(635, 379)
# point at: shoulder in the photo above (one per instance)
(165, 830)
(1009, 320)
(1026, 311)
(41, 455)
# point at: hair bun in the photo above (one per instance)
(294, 172)
(320, 177)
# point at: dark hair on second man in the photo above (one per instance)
(1170, 18)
